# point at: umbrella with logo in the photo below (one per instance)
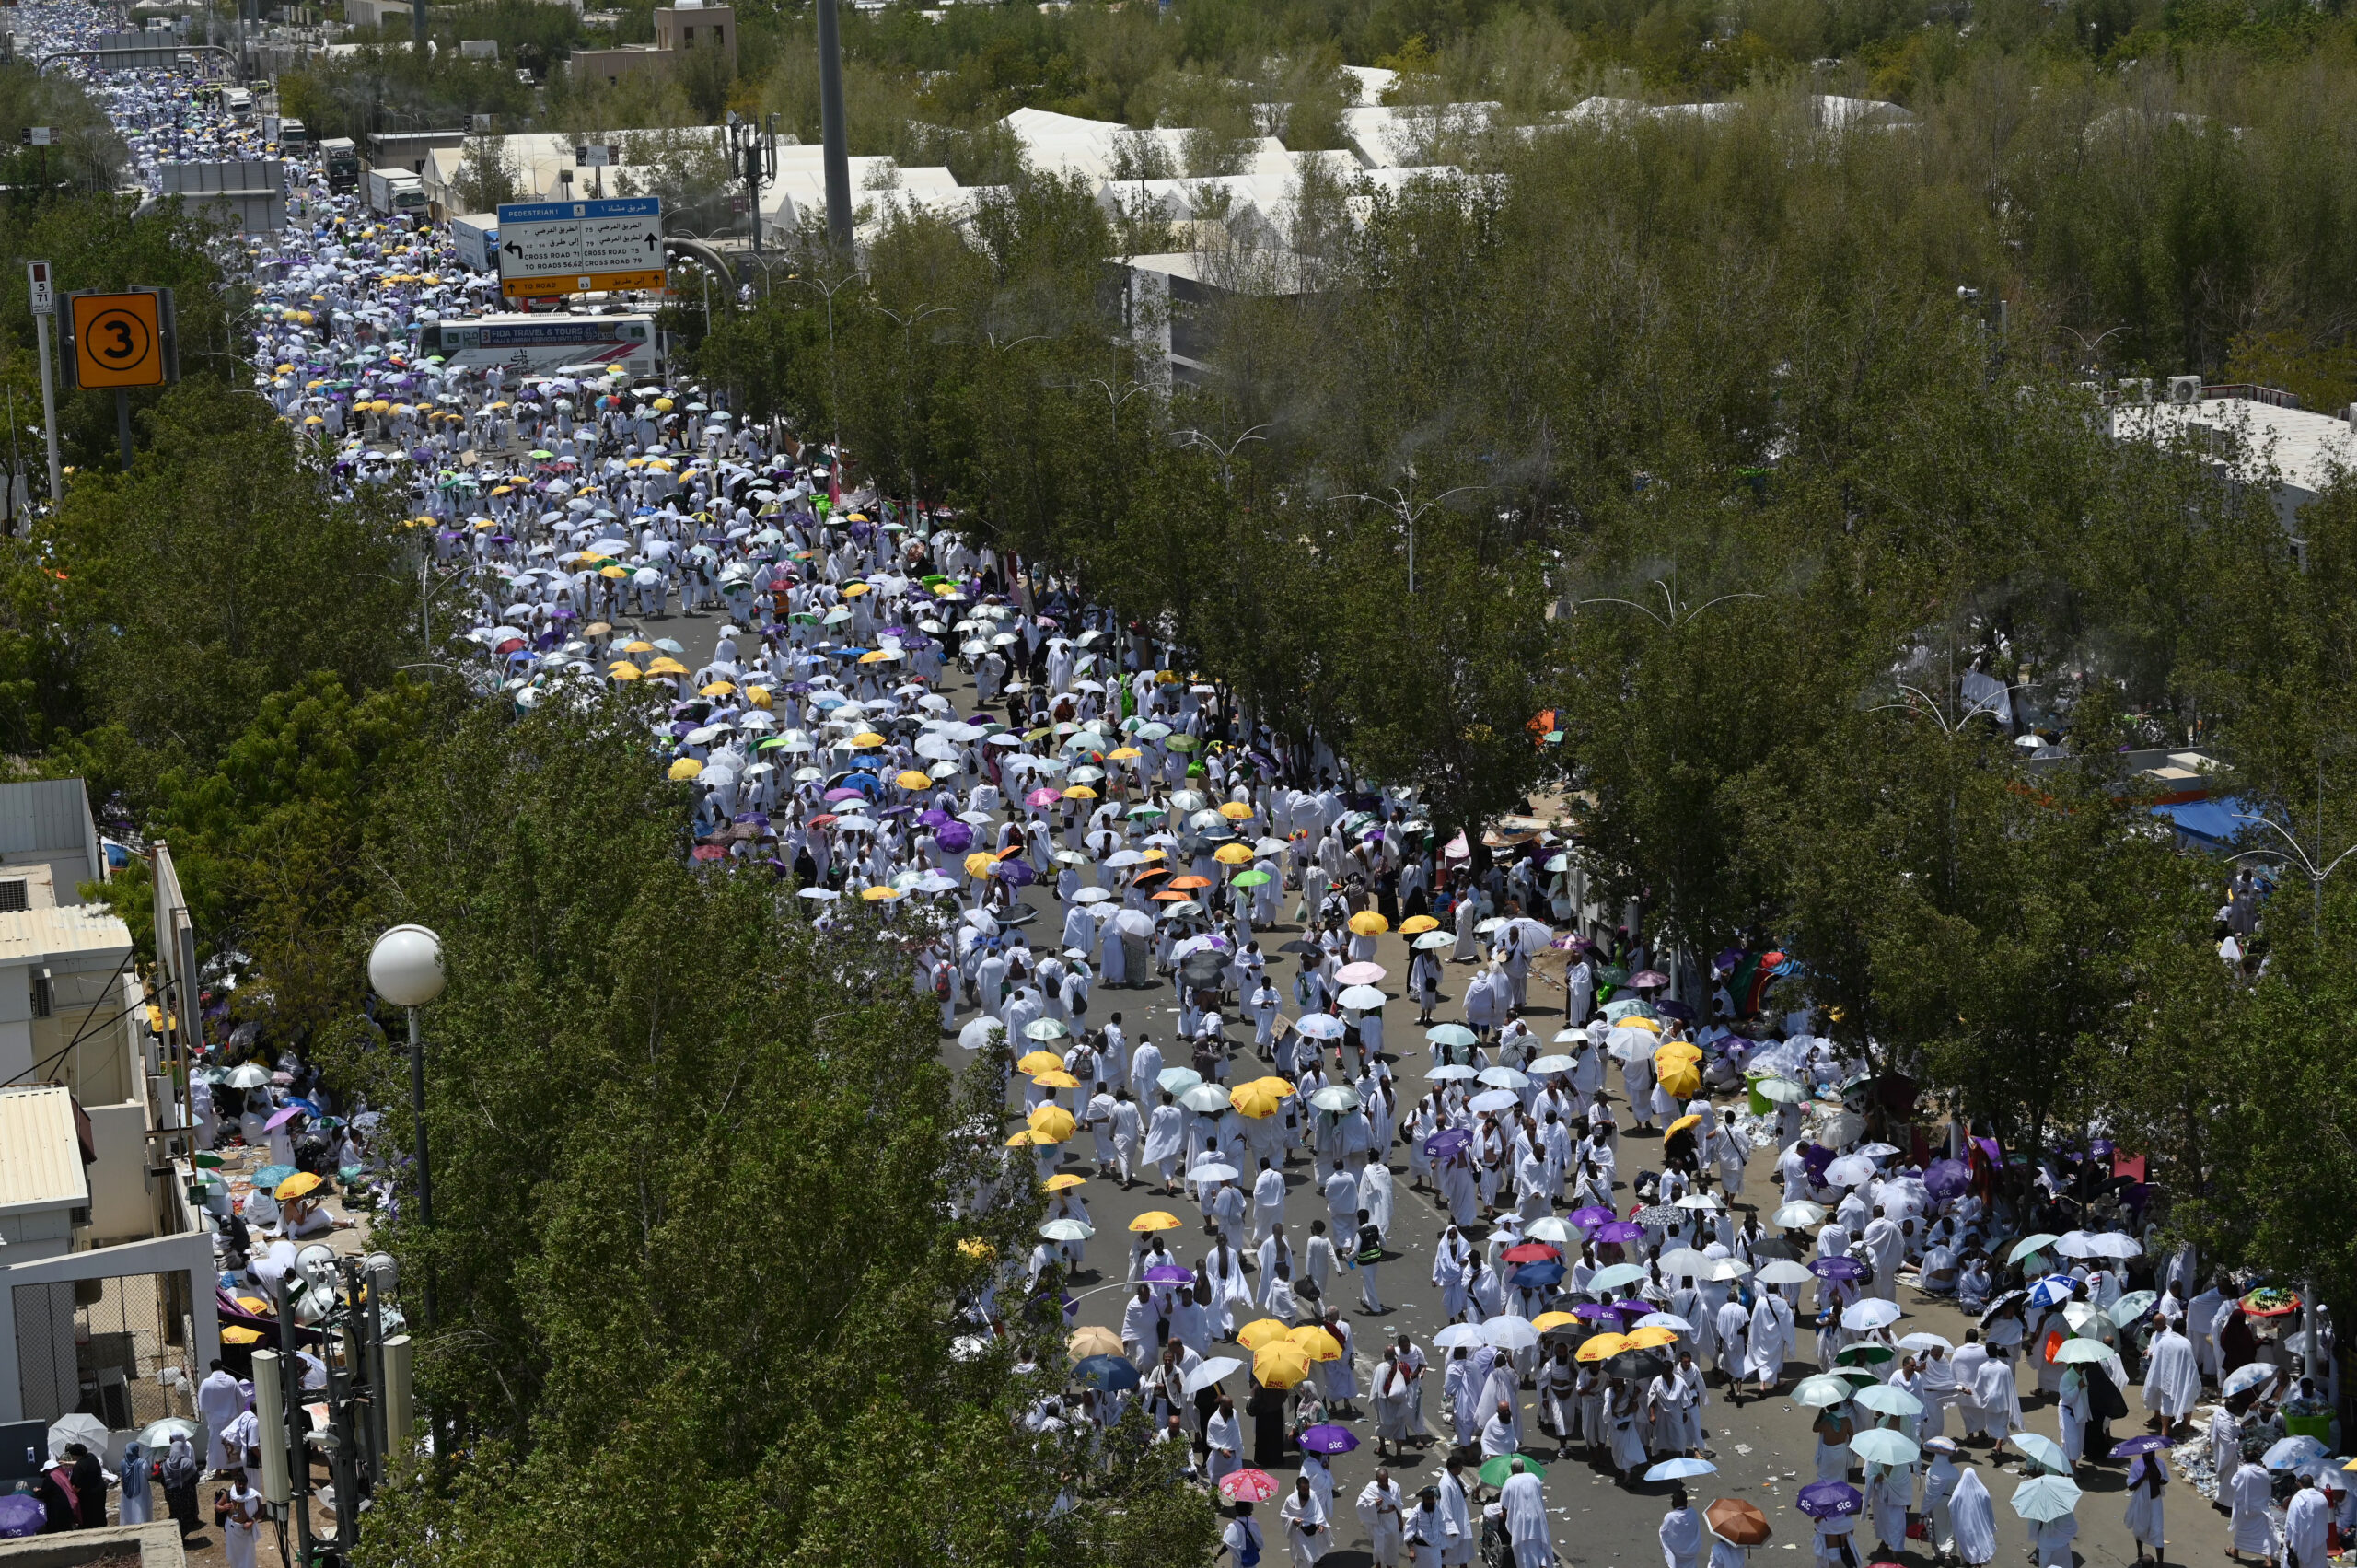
(1827, 1500)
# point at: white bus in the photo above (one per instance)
(544, 345)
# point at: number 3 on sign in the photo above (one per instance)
(119, 340)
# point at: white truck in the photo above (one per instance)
(396, 193)
(476, 238)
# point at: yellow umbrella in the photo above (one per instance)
(1038, 1062)
(1280, 1366)
(881, 656)
(1264, 1331)
(235, 1335)
(1317, 1342)
(1648, 1339)
(1260, 1098)
(1053, 1120)
(1156, 1219)
(759, 696)
(1366, 922)
(1417, 924)
(1031, 1138)
(1063, 1183)
(295, 1185)
(686, 768)
(1547, 1320)
(879, 895)
(1235, 810)
(611, 571)
(1233, 855)
(717, 689)
(1094, 1339)
(866, 740)
(1123, 754)
(1601, 1346)
(1079, 791)
(1055, 1079)
(667, 666)
(1676, 1051)
(978, 864)
(1633, 1022)
(624, 672)
(1679, 1125)
(1681, 1080)
(853, 590)
(912, 779)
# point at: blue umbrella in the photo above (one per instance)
(1538, 1275)
(2052, 1291)
(267, 1179)
(1110, 1373)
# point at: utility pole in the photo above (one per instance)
(830, 125)
(45, 296)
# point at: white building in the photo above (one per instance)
(2294, 454)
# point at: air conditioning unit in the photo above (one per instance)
(2136, 390)
(2185, 390)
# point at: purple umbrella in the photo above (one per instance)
(1327, 1440)
(1827, 1499)
(1169, 1274)
(1441, 1145)
(846, 795)
(1018, 872)
(954, 836)
(1633, 1308)
(21, 1514)
(1620, 1230)
(283, 1118)
(936, 818)
(1593, 1215)
(1837, 1269)
(1594, 1311)
(1946, 1178)
(2149, 1442)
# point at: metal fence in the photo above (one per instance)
(103, 1346)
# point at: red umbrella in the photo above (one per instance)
(1530, 1252)
(1248, 1486)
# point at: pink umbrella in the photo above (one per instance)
(284, 1116)
(1359, 974)
(1043, 797)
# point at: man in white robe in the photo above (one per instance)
(2304, 1521)
(217, 1403)
(2250, 1528)
(1523, 1500)
(1682, 1535)
(1309, 1535)
(1771, 1338)
(1381, 1510)
(1996, 1395)
(2172, 1378)
(1426, 1531)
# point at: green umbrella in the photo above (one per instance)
(1866, 1351)
(1182, 743)
(1250, 879)
(1496, 1472)
(542, 454)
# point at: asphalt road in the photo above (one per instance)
(1763, 1448)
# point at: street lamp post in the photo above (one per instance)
(1410, 513)
(405, 968)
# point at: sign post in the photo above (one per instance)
(556, 247)
(116, 342)
(45, 293)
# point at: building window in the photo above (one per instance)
(13, 896)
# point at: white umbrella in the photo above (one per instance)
(1211, 1170)
(1873, 1313)
(1459, 1336)
(1548, 1228)
(1365, 998)
(1724, 1270)
(1852, 1170)
(1067, 1230)
(1547, 1064)
(1209, 1372)
(1045, 1028)
(1782, 1272)
(1799, 1215)
(981, 1034)
(1449, 1073)
(1208, 1099)
(1504, 1078)
(1509, 1331)
(1336, 1098)
(1320, 1026)
(1493, 1100)
(87, 1430)
(1685, 1261)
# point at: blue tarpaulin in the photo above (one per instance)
(2209, 824)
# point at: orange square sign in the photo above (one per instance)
(119, 340)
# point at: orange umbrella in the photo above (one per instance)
(1190, 881)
